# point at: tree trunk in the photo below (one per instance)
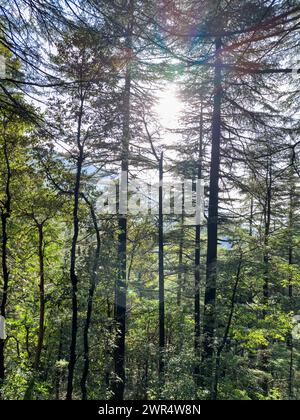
(290, 341)
(40, 342)
(267, 216)
(212, 229)
(59, 357)
(73, 255)
(266, 258)
(197, 343)
(251, 216)
(5, 214)
(121, 283)
(93, 285)
(42, 299)
(161, 279)
(227, 330)
(180, 262)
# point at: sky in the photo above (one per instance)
(169, 107)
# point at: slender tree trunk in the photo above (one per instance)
(121, 284)
(93, 285)
(5, 289)
(227, 330)
(59, 357)
(180, 262)
(5, 215)
(266, 260)
(120, 314)
(251, 216)
(42, 298)
(41, 331)
(108, 352)
(290, 341)
(162, 338)
(146, 378)
(73, 256)
(266, 291)
(197, 343)
(212, 228)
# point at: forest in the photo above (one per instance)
(150, 200)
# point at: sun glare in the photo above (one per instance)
(169, 107)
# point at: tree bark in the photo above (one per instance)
(212, 229)
(197, 274)
(291, 222)
(73, 256)
(118, 387)
(42, 298)
(267, 217)
(180, 262)
(227, 330)
(59, 357)
(41, 331)
(162, 338)
(93, 285)
(266, 260)
(5, 215)
(251, 216)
